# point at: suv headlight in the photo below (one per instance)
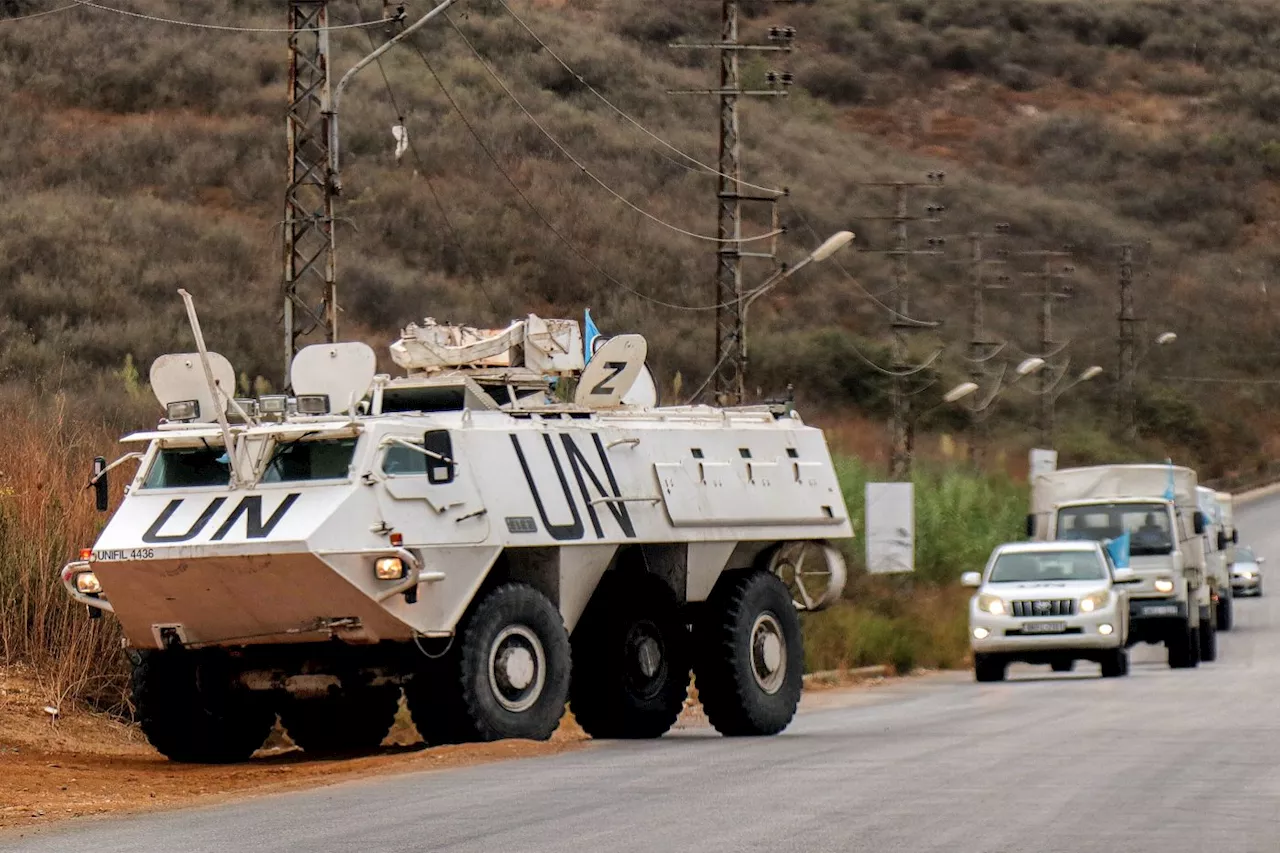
(1164, 585)
(1096, 601)
(992, 604)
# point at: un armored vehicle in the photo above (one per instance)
(1156, 507)
(475, 533)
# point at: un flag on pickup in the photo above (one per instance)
(1118, 548)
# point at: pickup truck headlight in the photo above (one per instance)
(1096, 601)
(992, 604)
(1164, 585)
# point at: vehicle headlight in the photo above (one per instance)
(992, 604)
(389, 568)
(1096, 601)
(88, 583)
(1244, 573)
(1164, 585)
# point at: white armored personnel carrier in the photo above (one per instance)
(470, 532)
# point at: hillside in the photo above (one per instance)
(140, 157)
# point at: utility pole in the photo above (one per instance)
(730, 370)
(901, 324)
(1048, 293)
(310, 289)
(1126, 400)
(980, 347)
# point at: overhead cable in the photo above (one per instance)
(625, 116)
(65, 8)
(155, 19)
(582, 167)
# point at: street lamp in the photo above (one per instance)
(1128, 395)
(1049, 398)
(958, 393)
(829, 247)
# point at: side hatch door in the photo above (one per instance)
(426, 491)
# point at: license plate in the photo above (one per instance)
(1043, 627)
(1160, 610)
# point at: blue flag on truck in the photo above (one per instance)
(1118, 548)
(589, 334)
(1170, 494)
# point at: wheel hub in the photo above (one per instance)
(517, 668)
(649, 657)
(768, 653)
(645, 661)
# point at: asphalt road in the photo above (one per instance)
(1163, 761)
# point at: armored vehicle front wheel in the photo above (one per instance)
(507, 675)
(749, 655)
(630, 659)
(347, 723)
(190, 710)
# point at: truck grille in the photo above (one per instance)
(1044, 607)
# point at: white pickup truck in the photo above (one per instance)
(1049, 603)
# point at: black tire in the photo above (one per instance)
(469, 695)
(987, 668)
(749, 658)
(1062, 665)
(1226, 612)
(1116, 664)
(1184, 647)
(349, 723)
(630, 659)
(190, 711)
(1208, 642)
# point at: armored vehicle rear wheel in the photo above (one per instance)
(1226, 612)
(348, 723)
(989, 667)
(506, 677)
(1062, 665)
(191, 712)
(749, 657)
(1116, 664)
(630, 659)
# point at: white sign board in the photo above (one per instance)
(1042, 462)
(891, 528)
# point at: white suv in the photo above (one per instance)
(1049, 603)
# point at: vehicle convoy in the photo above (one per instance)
(1246, 572)
(1049, 603)
(464, 534)
(1156, 507)
(1217, 545)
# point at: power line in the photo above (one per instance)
(582, 167)
(155, 19)
(537, 212)
(703, 166)
(65, 8)
(422, 170)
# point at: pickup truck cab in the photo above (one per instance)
(1049, 603)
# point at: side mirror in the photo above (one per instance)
(1235, 537)
(1197, 523)
(1223, 541)
(1125, 576)
(1259, 560)
(101, 486)
(971, 579)
(440, 464)
(1031, 525)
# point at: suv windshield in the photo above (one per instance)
(1146, 524)
(188, 467)
(325, 459)
(1047, 566)
(1244, 554)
